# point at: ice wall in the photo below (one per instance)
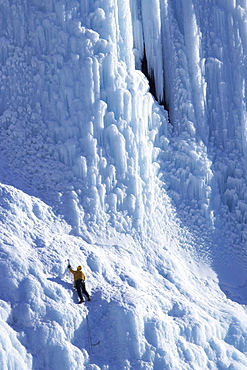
(86, 131)
(180, 81)
(203, 68)
(71, 97)
(80, 130)
(224, 48)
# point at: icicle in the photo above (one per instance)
(118, 147)
(80, 168)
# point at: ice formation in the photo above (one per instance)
(151, 200)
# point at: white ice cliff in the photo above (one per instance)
(139, 179)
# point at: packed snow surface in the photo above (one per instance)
(149, 197)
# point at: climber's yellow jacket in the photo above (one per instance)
(78, 274)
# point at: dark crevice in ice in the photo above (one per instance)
(150, 77)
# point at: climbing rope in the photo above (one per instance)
(90, 343)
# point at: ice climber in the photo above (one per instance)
(79, 279)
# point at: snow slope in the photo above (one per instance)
(152, 305)
(151, 202)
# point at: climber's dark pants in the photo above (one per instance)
(81, 288)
